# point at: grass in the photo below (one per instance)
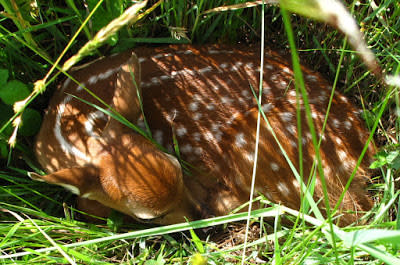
(39, 224)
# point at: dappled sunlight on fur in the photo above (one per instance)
(203, 97)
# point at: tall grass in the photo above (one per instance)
(38, 222)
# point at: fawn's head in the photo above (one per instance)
(98, 158)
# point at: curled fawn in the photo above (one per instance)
(203, 97)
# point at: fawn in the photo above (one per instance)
(201, 96)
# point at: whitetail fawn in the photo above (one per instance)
(202, 96)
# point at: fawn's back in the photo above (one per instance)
(203, 97)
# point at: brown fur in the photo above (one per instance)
(203, 96)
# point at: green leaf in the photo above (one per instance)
(115, 220)
(3, 150)
(365, 236)
(31, 121)
(380, 162)
(3, 76)
(154, 262)
(10, 233)
(102, 16)
(6, 113)
(392, 156)
(13, 91)
(197, 242)
(391, 159)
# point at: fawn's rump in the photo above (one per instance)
(205, 97)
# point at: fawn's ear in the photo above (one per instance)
(127, 89)
(78, 180)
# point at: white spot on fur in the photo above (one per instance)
(93, 79)
(80, 87)
(198, 150)
(218, 136)
(193, 106)
(240, 141)
(266, 90)
(342, 155)
(292, 100)
(327, 171)
(344, 99)
(286, 70)
(274, 166)
(145, 84)
(312, 78)
(181, 131)
(336, 123)
(269, 67)
(238, 63)
(226, 100)
(197, 116)
(66, 83)
(267, 107)
(161, 55)
(249, 157)
(245, 93)
(296, 184)
(188, 72)
(196, 97)
(209, 136)
(155, 81)
(286, 116)
(186, 149)
(165, 77)
(349, 164)
(205, 70)
(292, 93)
(283, 84)
(215, 128)
(196, 136)
(249, 65)
(347, 125)
(140, 123)
(210, 106)
(314, 115)
(267, 195)
(292, 128)
(158, 136)
(220, 51)
(283, 188)
(322, 98)
(107, 73)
